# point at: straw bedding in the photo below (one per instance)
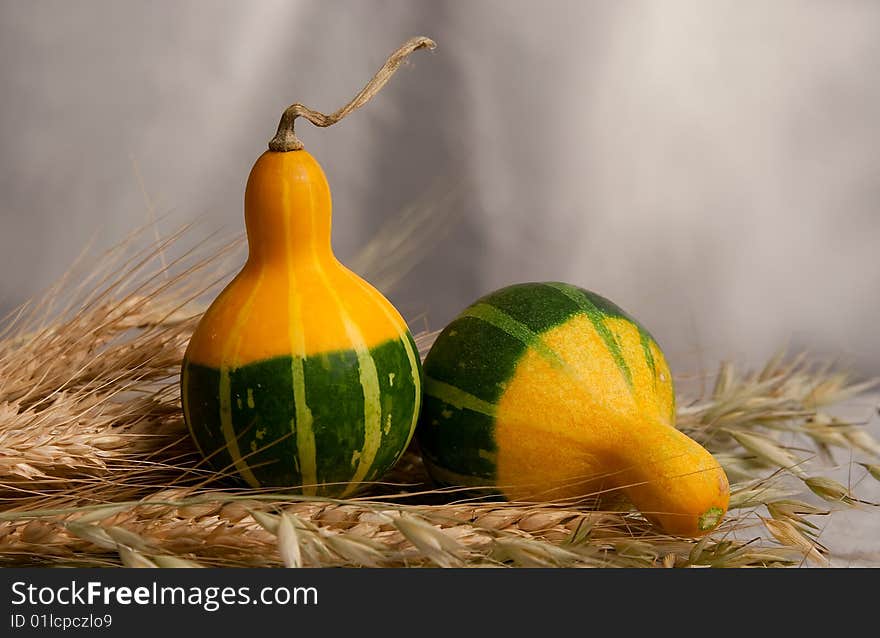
(97, 469)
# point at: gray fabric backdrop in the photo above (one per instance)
(713, 166)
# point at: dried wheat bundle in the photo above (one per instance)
(96, 467)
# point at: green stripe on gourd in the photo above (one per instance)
(586, 303)
(473, 439)
(511, 326)
(267, 414)
(646, 340)
(537, 306)
(486, 368)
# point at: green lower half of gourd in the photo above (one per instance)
(323, 421)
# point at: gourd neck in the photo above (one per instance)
(287, 200)
(288, 210)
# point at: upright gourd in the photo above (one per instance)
(301, 374)
(547, 391)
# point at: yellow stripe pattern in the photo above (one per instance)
(307, 453)
(230, 350)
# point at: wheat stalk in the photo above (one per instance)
(227, 529)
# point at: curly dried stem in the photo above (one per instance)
(286, 140)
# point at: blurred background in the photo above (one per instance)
(712, 166)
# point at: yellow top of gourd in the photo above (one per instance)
(293, 297)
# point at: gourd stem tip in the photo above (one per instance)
(285, 138)
(710, 518)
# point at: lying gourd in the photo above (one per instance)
(547, 392)
(301, 374)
